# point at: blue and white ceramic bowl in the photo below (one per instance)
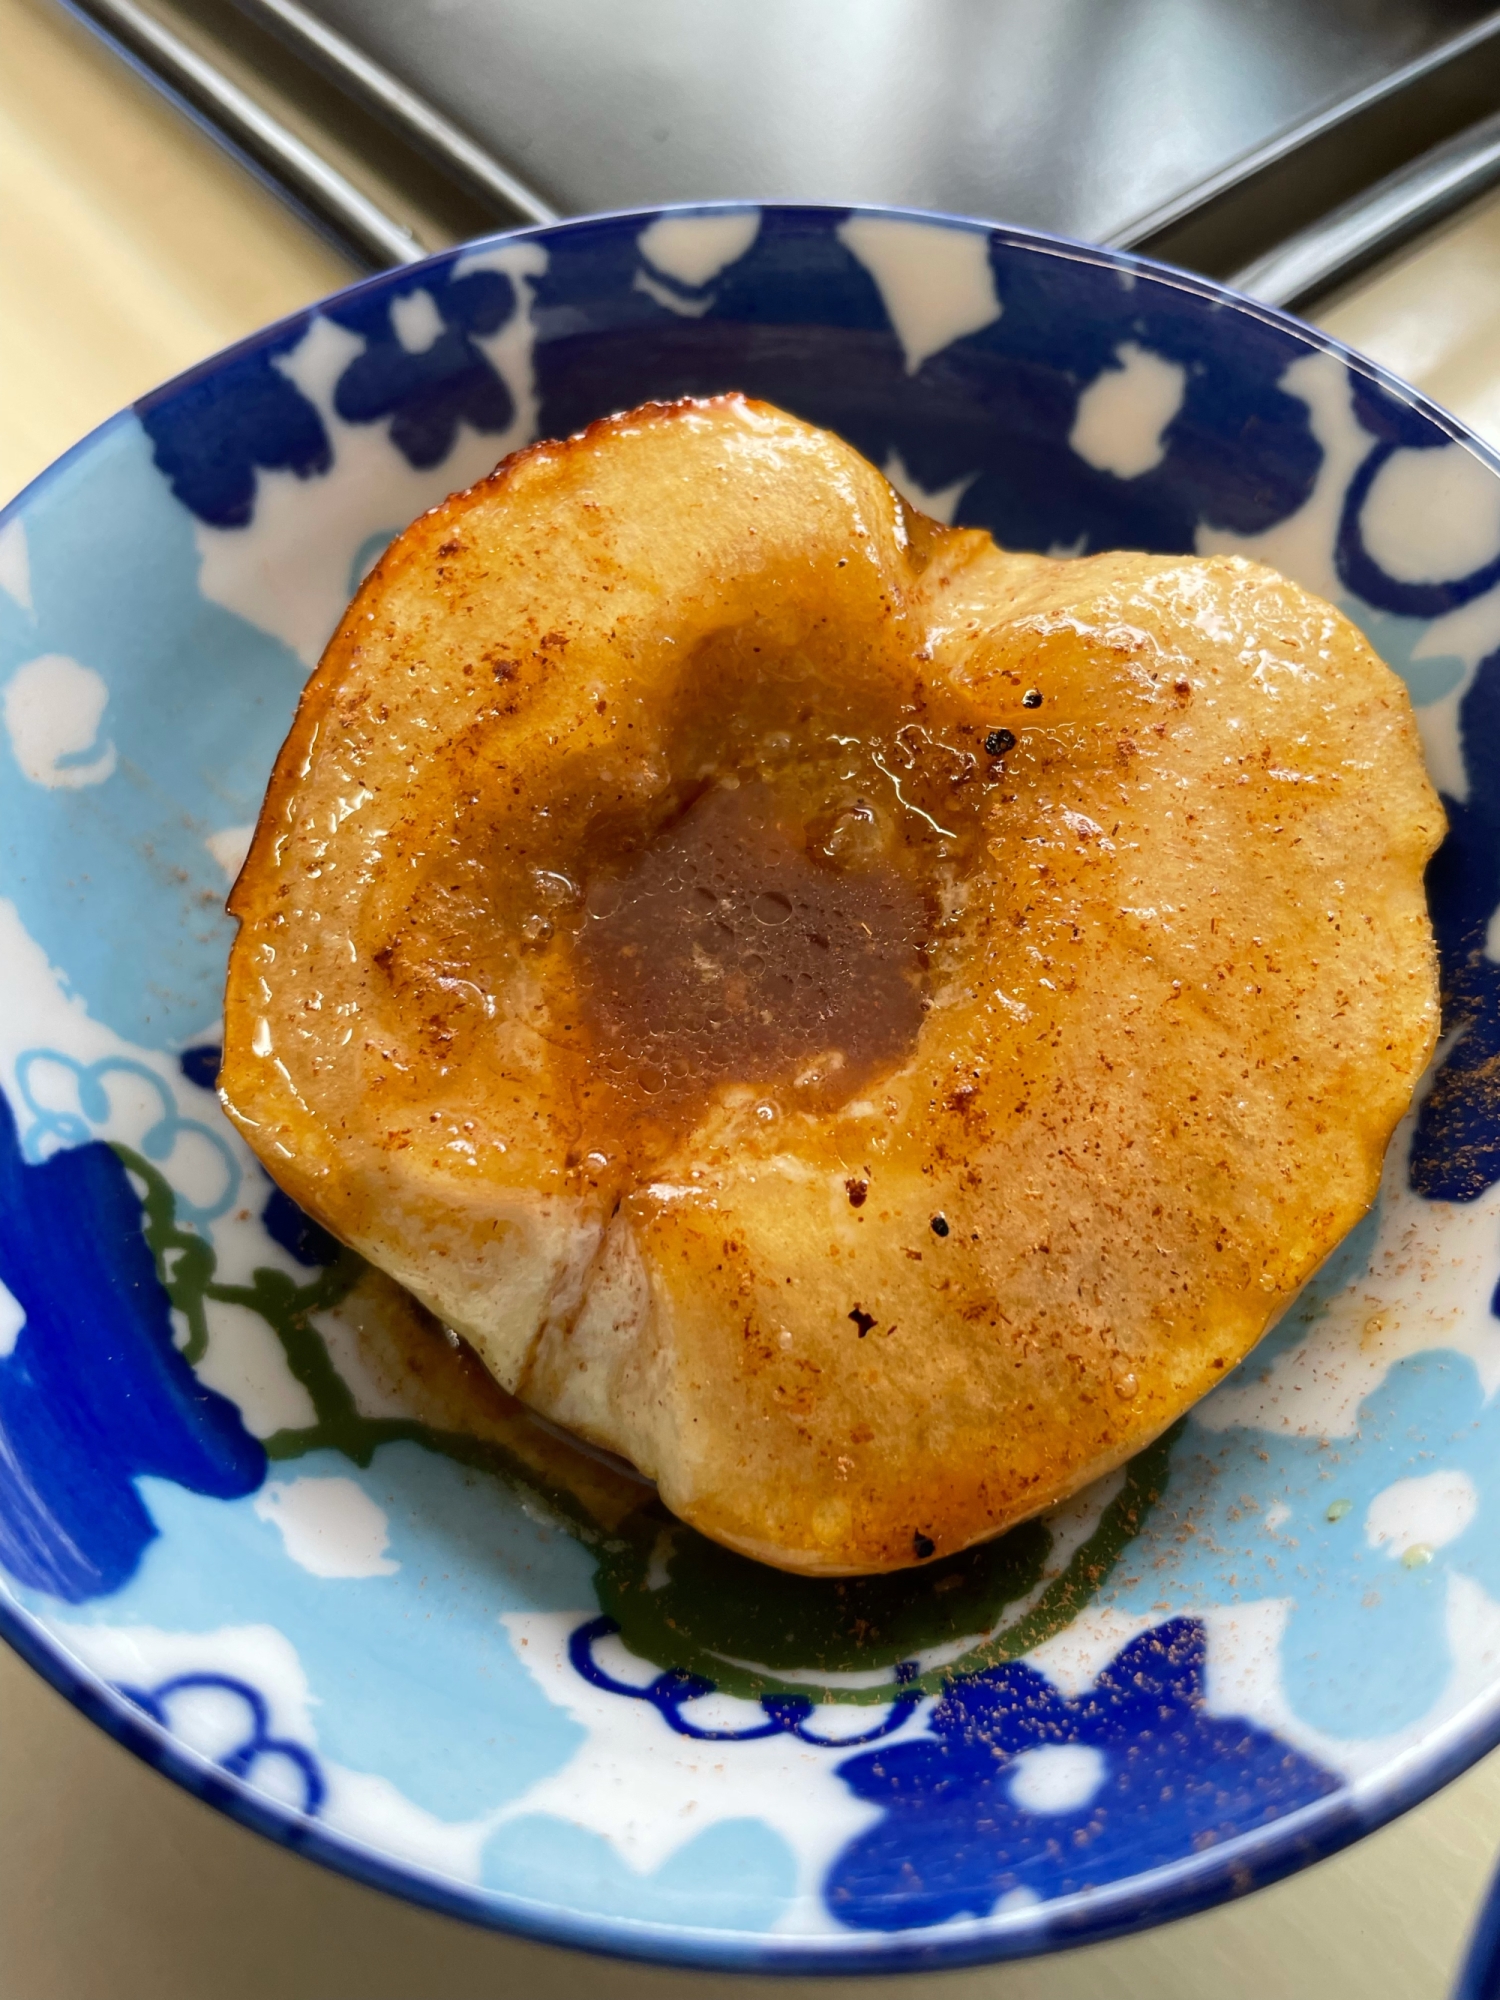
(239, 1522)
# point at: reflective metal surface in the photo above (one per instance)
(1084, 116)
(406, 111)
(1293, 182)
(262, 139)
(1377, 222)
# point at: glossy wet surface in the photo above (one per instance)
(738, 947)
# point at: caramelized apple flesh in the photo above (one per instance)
(866, 1026)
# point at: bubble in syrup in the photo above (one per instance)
(554, 887)
(771, 907)
(855, 839)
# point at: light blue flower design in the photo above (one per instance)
(1366, 1649)
(54, 1126)
(1396, 640)
(423, 1638)
(117, 874)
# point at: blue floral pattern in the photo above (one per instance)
(212, 432)
(955, 1835)
(1395, 427)
(255, 1748)
(788, 315)
(1353, 1599)
(1455, 1154)
(54, 1126)
(427, 390)
(72, 1521)
(671, 1692)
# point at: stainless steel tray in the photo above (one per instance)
(1206, 134)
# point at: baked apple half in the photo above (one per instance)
(866, 1026)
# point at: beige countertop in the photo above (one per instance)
(131, 247)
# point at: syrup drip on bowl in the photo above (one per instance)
(739, 948)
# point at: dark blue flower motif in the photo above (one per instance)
(674, 1691)
(200, 1064)
(308, 1241)
(966, 1816)
(1395, 426)
(421, 366)
(256, 1748)
(1238, 455)
(1455, 1153)
(799, 321)
(211, 431)
(604, 344)
(96, 1341)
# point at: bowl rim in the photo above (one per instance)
(1180, 1888)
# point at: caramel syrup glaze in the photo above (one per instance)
(733, 950)
(768, 912)
(774, 926)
